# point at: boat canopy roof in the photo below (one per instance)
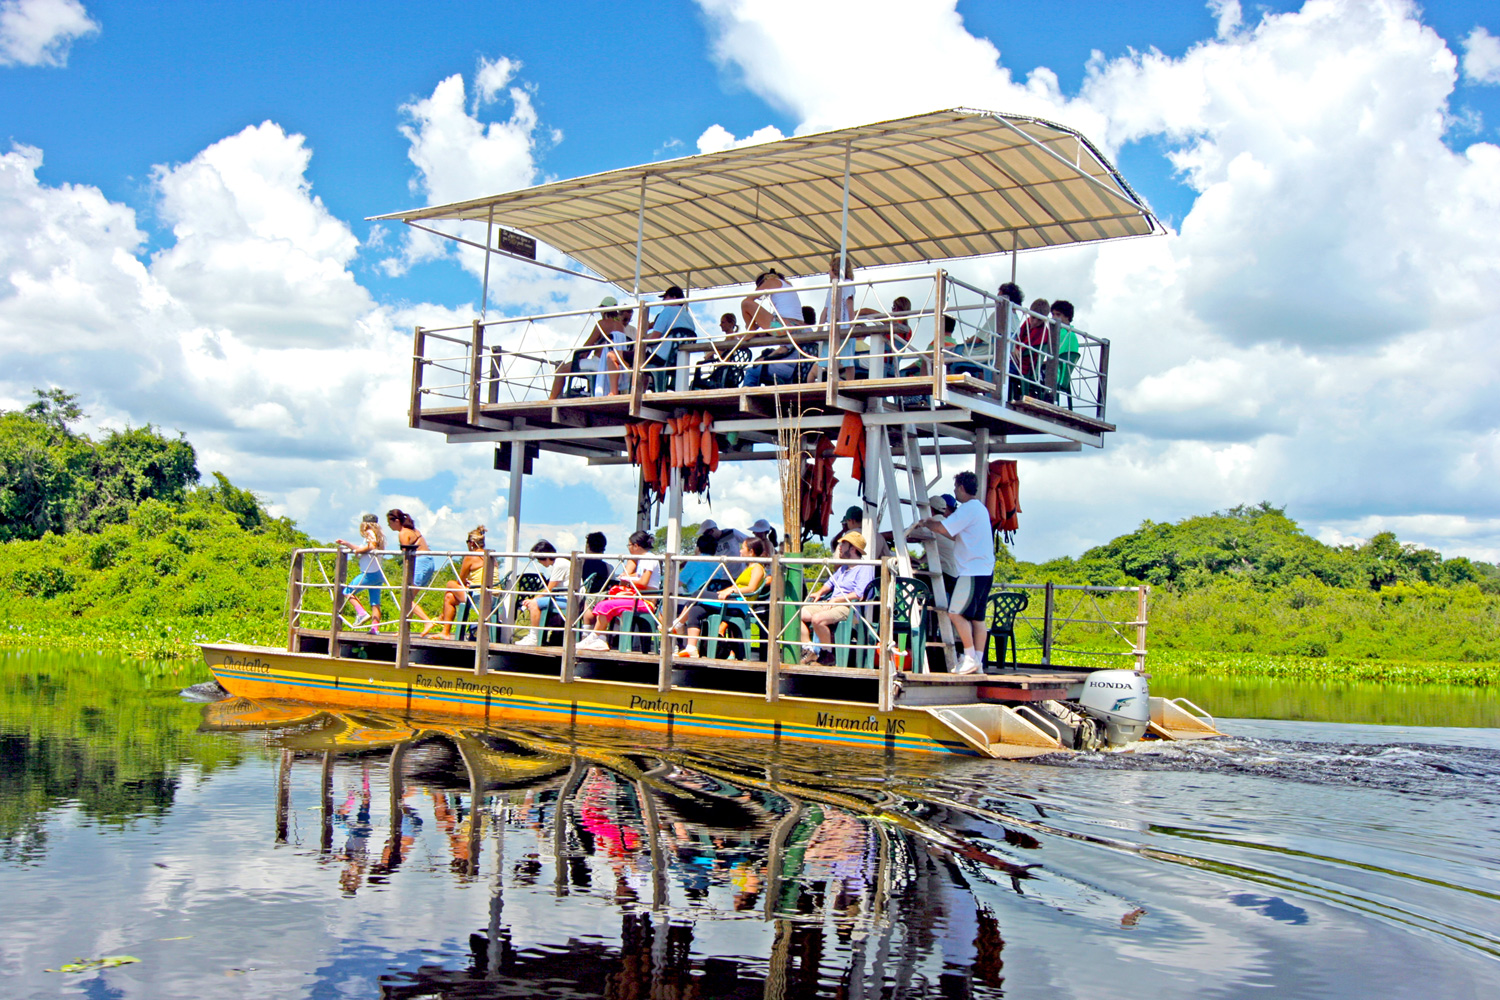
(948, 184)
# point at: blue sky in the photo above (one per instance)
(138, 103)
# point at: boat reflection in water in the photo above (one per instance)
(731, 875)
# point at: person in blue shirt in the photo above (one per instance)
(670, 328)
(695, 579)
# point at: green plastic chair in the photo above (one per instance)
(737, 620)
(911, 598)
(642, 627)
(1004, 607)
(857, 629)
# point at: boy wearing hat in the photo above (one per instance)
(834, 601)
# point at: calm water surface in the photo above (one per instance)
(242, 849)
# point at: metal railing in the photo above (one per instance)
(463, 600)
(898, 327)
(1078, 625)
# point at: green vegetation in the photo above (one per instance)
(114, 545)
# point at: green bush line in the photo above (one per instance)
(1189, 663)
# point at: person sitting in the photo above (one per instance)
(600, 352)
(873, 323)
(456, 593)
(721, 369)
(1067, 346)
(1033, 342)
(773, 305)
(694, 580)
(594, 573)
(671, 327)
(555, 588)
(834, 601)
(642, 573)
(746, 583)
(727, 543)
(762, 529)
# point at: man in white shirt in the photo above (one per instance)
(974, 556)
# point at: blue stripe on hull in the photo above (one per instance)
(711, 725)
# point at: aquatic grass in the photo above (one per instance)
(1177, 663)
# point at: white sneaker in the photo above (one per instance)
(968, 665)
(529, 639)
(360, 619)
(594, 643)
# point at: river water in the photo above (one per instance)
(239, 849)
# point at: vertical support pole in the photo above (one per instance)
(482, 627)
(1047, 626)
(870, 490)
(489, 241)
(940, 307)
(418, 349)
(570, 620)
(887, 666)
(403, 632)
(887, 466)
(638, 361)
(513, 525)
(1002, 348)
(493, 395)
(640, 326)
(340, 573)
(396, 779)
(642, 505)
(1049, 363)
(294, 601)
(982, 458)
(476, 358)
(773, 625)
(835, 312)
(1140, 628)
(674, 510)
(1103, 377)
(671, 568)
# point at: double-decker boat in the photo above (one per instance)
(907, 369)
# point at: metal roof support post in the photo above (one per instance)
(636, 361)
(489, 239)
(513, 526)
(835, 294)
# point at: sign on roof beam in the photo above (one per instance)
(503, 253)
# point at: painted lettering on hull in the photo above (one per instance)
(869, 724)
(460, 684)
(245, 663)
(662, 705)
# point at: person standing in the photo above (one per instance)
(974, 554)
(370, 577)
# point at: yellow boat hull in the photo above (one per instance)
(262, 672)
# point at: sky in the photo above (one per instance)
(184, 190)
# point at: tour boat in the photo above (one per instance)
(909, 374)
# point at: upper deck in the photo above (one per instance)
(1026, 381)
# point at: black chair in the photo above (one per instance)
(1004, 607)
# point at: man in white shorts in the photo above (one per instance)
(974, 554)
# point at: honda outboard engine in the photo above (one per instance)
(1120, 700)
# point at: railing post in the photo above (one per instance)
(418, 349)
(1049, 363)
(773, 624)
(883, 652)
(939, 381)
(1140, 628)
(492, 397)
(1047, 627)
(570, 620)
(671, 567)
(1103, 377)
(1002, 348)
(294, 601)
(476, 356)
(482, 627)
(637, 362)
(403, 631)
(340, 573)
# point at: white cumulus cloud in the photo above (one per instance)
(1482, 57)
(40, 32)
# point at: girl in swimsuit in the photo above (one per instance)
(425, 566)
(468, 572)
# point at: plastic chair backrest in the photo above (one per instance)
(1004, 607)
(910, 599)
(529, 583)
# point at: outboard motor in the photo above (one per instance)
(1121, 700)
